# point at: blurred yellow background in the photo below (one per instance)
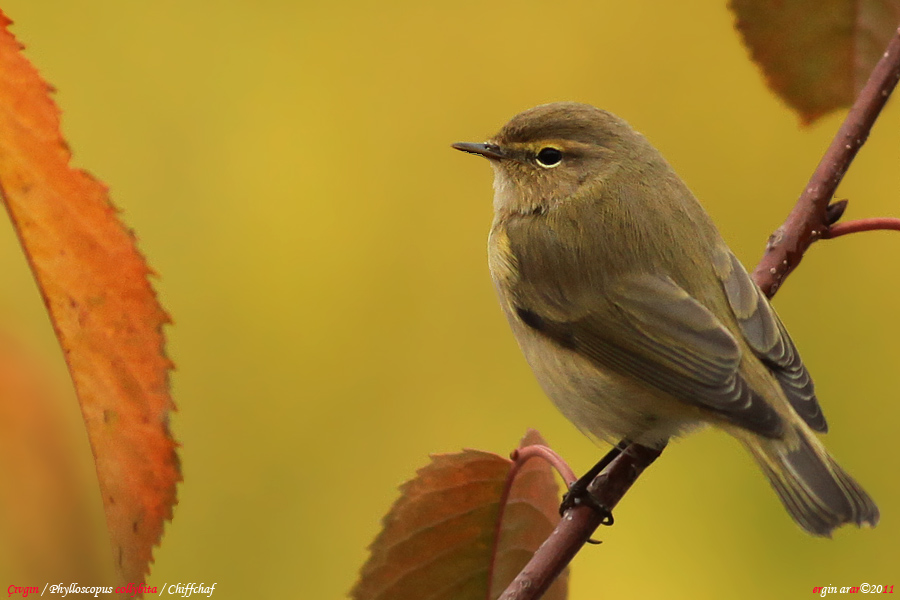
(286, 167)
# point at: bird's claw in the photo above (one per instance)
(579, 495)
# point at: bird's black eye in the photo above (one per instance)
(549, 157)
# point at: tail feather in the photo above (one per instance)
(819, 495)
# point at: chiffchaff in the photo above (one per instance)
(636, 318)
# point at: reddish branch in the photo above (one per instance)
(577, 525)
(809, 221)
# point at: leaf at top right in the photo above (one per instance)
(816, 54)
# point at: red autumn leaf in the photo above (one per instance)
(105, 313)
(816, 54)
(448, 537)
(45, 515)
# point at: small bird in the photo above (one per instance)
(635, 316)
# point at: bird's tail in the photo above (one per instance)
(819, 495)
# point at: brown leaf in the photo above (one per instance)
(105, 313)
(816, 54)
(532, 512)
(440, 539)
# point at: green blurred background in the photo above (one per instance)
(287, 169)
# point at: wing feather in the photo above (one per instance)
(669, 341)
(768, 338)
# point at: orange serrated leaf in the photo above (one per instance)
(105, 313)
(440, 538)
(816, 54)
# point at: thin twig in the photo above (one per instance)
(875, 224)
(807, 222)
(578, 524)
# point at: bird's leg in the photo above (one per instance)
(578, 493)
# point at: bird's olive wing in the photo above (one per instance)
(768, 338)
(654, 331)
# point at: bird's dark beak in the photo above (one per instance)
(492, 151)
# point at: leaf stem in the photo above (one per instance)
(520, 456)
